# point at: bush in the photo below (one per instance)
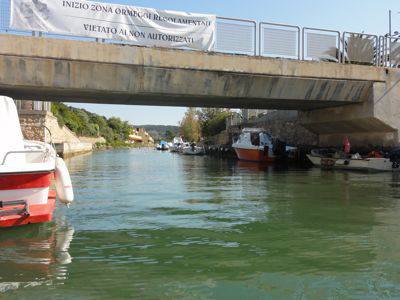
(85, 123)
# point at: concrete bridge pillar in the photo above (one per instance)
(374, 122)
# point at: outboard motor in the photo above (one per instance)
(279, 148)
(395, 158)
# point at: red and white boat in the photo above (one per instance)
(27, 170)
(255, 145)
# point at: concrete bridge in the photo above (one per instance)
(334, 99)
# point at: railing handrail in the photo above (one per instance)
(20, 152)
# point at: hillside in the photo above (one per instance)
(85, 123)
(159, 132)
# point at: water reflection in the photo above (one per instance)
(34, 255)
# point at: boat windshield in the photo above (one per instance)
(10, 131)
(255, 138)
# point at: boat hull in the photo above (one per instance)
(196, 151)
(254, 155)
(32, 191)
(38, 213)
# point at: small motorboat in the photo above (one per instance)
(254, 144)
(177, 144)
(27, 169)
(183, 146)
(193, 149)
(331, 159)
(163, 146)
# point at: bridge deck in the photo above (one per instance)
(67, 70)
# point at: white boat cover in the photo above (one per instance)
(178, 140)
(11, 138)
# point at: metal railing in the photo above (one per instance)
(279, 40)
(360, 48)
(249, 37)
(236, 36)
(392, 52)
(321, 44)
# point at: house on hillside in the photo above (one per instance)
(139, 135)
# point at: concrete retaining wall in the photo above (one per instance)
(69, 149)
(286, 126)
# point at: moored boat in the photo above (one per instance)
(193, 149)
(254, 144)
(27, 169)
(177, 144)
(162, 146)
(328, 159)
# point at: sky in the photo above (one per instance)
(369, 16)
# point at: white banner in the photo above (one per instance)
(143, 26)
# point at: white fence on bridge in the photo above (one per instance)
(248, 37)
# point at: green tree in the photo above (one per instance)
(213, 120)
(85, 123)
(190, 126)
(169, 135)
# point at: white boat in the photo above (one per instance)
(162, 146)
(254, 144)
(358, 163)
(26, 172)
(176, 144)
(193, 149)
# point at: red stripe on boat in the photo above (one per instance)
(39, 213)
(25, 181)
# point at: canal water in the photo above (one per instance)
(151, 225)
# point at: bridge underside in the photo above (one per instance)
(164, 100)
(82, 81)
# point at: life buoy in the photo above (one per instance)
(63, 182)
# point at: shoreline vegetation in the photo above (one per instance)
(115, 131)
(199, 125)
(84, 123)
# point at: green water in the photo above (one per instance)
(150, 225)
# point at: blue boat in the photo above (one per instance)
(163, 146)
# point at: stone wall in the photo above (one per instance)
(33, 124)
(285, 125)
(222, 139)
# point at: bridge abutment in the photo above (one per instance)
(374, 122)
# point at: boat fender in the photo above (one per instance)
(63, 182)
(346, 162)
